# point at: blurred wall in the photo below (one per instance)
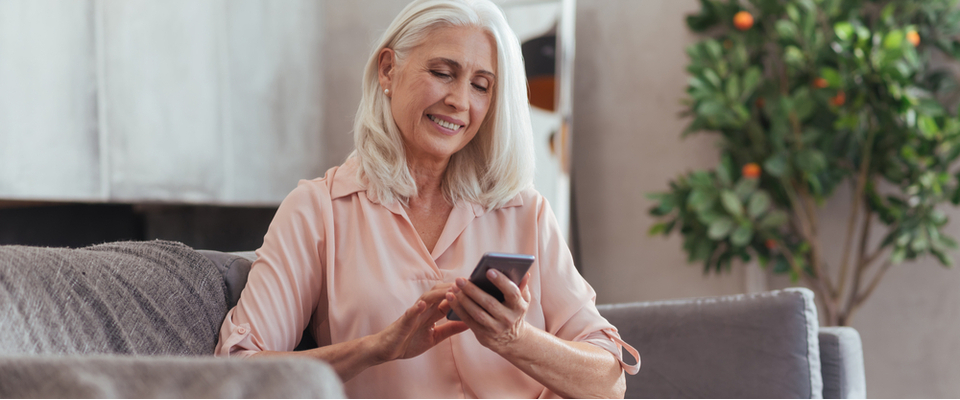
(629, 77)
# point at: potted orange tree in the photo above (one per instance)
(808, 95)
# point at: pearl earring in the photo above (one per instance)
(386, 92)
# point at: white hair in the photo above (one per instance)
(498, 163)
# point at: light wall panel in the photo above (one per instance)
(273, 97)
(48, 110)
(161, 87)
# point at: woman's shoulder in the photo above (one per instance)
(338, 181)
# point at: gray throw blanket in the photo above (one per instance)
(140, 298)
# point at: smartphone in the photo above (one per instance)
(514, 266)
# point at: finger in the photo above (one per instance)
(525, 287)
(477, 295)
(409, 318)
(444, 306)
(478, 313)
(464, 315)
(444, 331)
(511, 293)
(435, 295)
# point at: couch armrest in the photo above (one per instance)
(841, 359)
(761, 345)
(165, 377)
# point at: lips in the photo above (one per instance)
(450, 125)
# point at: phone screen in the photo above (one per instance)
(514, 266)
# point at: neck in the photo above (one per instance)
(428, 176)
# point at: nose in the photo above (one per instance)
(459, 97)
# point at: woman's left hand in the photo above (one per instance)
(496, 325)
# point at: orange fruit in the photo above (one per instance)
(839, 99)
(761, 102)
(771, 244)
(743, 20)
(751, 171)
(914, 38)
(820, 83)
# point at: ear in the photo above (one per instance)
(386, 65)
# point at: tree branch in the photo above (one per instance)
(846, 308)
(873, 284)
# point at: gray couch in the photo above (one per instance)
(140, 319)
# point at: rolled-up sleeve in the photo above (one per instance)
(285, 283)
(568, 301)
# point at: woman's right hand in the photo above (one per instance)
(415, 331)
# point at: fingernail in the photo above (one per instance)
(492, 273)
(450, 297)
(461, 282)
(455, 289)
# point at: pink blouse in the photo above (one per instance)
(349, 267)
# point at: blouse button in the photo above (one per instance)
(241, 330)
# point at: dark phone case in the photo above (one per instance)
(514, 266)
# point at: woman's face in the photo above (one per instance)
(441, 91)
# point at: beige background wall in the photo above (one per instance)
(629, 79)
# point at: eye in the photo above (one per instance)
(440, 74)
(479, 88)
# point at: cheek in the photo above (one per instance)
(480, 109)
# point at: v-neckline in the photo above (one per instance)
(460, 216)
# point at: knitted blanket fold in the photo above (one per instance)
(139, 298)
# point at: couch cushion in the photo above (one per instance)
(743, 346)
(234, 267)
(144, 298)
(110, 376)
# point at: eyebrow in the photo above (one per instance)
(457, 65)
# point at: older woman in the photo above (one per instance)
(441, 174)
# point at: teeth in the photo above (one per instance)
(444, 124)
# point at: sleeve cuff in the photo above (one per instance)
(609, 340)
(238, 342)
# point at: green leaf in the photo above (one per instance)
(898, 255)
(714, 79)
(773, 220)
(844, 31)
(831, 76)
(741, 236)
(702, 250)
(920, 243)
(745, 187)
(725, 170)
(793, 12)
(781, 265)
(751, 80)
(794, 57)
(786, 29)
(776, 165)
(731, 203)
(759, 203)
(657, 229)
(714, 49)
(707, 216)
(944, 259)
(733, 87)
(720, 228)
(711, 108)
(893, 40)
(928, 127)
(811, 161)
(701, 199)
(803, 104)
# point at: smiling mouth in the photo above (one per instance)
(445, 124)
